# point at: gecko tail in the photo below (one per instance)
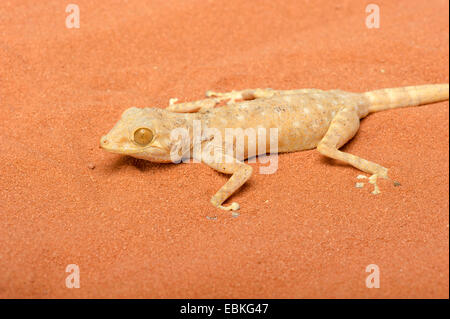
(385, 99)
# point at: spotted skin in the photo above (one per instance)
(305, 119)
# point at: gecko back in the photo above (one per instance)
(301, 119)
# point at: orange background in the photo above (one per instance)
(138, 229)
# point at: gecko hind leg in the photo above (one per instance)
(342, 128)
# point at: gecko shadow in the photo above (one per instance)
(144, 166)
(140, 164)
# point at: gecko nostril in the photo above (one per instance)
(103, 140)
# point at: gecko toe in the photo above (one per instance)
(373, 180)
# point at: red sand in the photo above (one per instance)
(138, 229)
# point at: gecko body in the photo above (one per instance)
(304, 119)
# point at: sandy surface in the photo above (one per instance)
(138, 229)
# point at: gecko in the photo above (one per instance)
(305, 119)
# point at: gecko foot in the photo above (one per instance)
(233, 206)
(372, 180)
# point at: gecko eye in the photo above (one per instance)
(143, 136)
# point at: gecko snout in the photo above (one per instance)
(103, 141)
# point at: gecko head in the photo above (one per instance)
(141, 133)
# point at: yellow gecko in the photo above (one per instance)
(305, 119)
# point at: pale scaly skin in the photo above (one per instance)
(305, 119)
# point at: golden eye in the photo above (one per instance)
(143, 136)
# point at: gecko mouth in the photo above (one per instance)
(152, 153)
(110, 147)
(119, 151)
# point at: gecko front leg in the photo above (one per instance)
(214, 98)
(249, 94)
(215, 157)
(252, 94)
(199, 106)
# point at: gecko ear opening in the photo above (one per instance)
(143, 136)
